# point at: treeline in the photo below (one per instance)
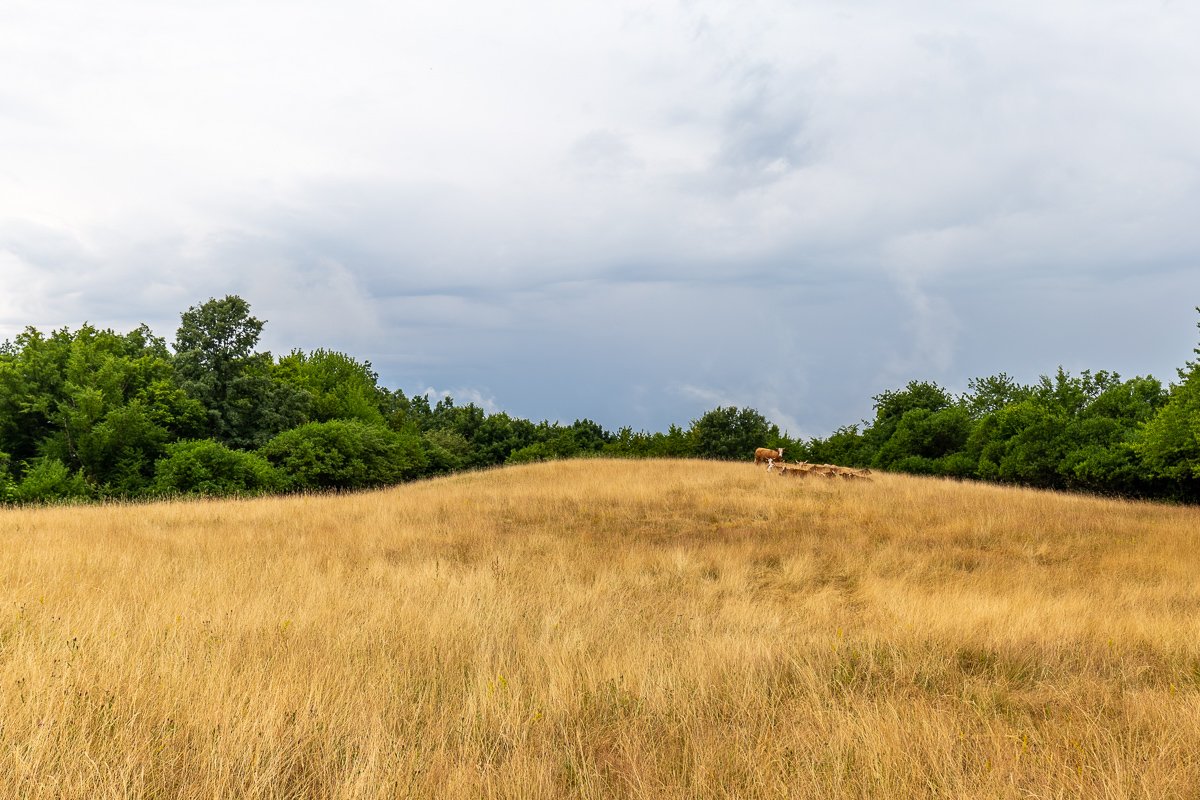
(95, 414)
(1090, 432)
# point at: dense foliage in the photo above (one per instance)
(1092, 432)
(91, 413)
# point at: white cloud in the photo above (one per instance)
(463, 397)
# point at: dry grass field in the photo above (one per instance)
(604, 629)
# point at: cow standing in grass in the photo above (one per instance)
(767, 454)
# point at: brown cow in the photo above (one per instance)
(851, 473)
(767, 454)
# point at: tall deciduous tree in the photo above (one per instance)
(339, 386)
(217, 364)
(732, 433)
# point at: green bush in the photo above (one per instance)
(345, 454)
(8, 487)
(49, 479)
(206, 467)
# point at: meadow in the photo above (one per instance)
(604, 629)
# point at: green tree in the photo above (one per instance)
(32, 371)
(445, 451)
(1068, 431)
(732, 433)
(100, 402)
(987, 395)
(492, 438)
(674, 443)
(406, 413)
(339, 387)
(925, 441)
(1102, 455)
(1020, 443)
(1070, 395)
(466, 420)
(214, 346)
(891, 406)
(588, 436)
(1169, 443)
(216, 364)
(582, 437)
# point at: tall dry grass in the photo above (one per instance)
(604, 629)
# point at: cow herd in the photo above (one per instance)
(803, 469)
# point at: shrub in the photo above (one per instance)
(8, 487)
(538, 451)
(345, 454)
(206, 467)
(49, 479)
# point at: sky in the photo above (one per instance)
(631, 212)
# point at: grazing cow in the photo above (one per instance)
(850, 472)
(834, 471)
(767, 454)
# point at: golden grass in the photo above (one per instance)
(604, 629)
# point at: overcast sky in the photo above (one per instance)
(628, 211)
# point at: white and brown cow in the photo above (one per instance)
(768, 455)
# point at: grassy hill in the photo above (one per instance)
(604, 629)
